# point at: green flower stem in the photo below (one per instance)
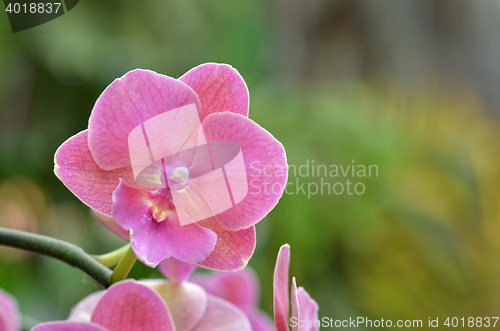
(112, 258)
(58, 249)
(124, 266)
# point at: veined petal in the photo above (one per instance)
(221, 315)
(68, 326)
(220, 88)
(130, 306)
(125, 104)
(76, 168)
(154, 241)
(233, 248)
(281, 298)
(175, 270)
(265, 164)
(187, 302)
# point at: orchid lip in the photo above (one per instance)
(158, 214)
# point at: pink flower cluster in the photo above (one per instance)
(164, 163)
(218, 302)
(151, 306)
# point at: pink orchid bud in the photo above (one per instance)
(304, 308)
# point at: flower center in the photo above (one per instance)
(180, 175)
(159, 215)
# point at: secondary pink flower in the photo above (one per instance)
(241, 288)
(152, 305)
(139, 110)
(124, 306)
(175, 270)
(9, 313)
(304, 308)
(193, 309)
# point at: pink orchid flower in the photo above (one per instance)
(304, 308)
(9, 313)
(151, 306)
(241, 288)
(199, 204)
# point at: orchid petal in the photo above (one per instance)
(265, 163)
(176, 270)
(233, 248)
(154, 241)
(281, 298)
(68, 326)
(127, 103)
(76, 168)
(9, 312)
(187, 302)
(241, 288)
(130, 306)
(260, 321)
(3, 322)
(82, 312)
(221, 315)
(220, 88)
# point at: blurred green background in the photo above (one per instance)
(410, 86)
